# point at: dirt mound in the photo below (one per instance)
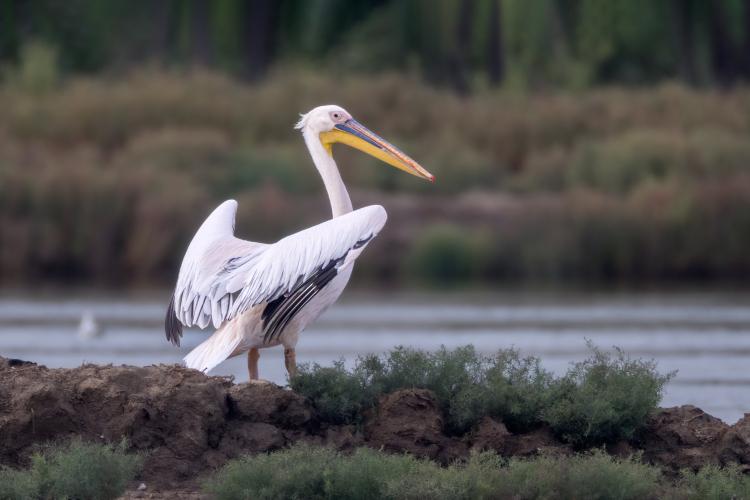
(190, 423)
(682, 437)
(410, 421)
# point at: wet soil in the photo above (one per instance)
(190, 424)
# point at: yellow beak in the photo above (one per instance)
(356, 135)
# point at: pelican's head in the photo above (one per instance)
(334, 124)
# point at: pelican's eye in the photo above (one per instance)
(337, 116)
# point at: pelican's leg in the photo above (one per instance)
(290, 360)
(252, 363)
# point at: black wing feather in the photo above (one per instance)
(172, 326)
(278, 313)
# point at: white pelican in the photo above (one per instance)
(259, 295)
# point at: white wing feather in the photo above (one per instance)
(222, 276)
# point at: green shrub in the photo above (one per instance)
(17, 485)
(297, 473)
(604, 398)
(591, 476)
(714, 483)
(467, 385)
(480, 476)
(339, 396)
(518, 390)
(77, 470)
(316, 473)
(369, 474)
(455, 377)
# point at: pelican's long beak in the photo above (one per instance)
(354, 134)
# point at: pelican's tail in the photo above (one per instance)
(215, 349)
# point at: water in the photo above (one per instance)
(705, 337)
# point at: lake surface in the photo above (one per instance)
(705, 337)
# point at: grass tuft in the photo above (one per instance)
(715, 483)
(79, 470)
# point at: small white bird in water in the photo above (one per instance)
(89, 328)
(261, 295)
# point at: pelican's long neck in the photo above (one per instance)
(338, 195)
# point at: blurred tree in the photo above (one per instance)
(457, 43)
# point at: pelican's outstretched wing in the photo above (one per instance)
(222, 276)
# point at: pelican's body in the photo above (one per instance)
(262, 295)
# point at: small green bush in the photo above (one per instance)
(79, 470)
(298, 473)
(316, 473)
(518, 390)
(339, 395)
(604, 398)
(455, 377)
(368, 474)
(478, 477)
(715, 483)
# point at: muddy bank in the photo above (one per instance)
(190, 423)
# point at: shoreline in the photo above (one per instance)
(190, 423)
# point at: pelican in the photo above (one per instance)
(259, 295)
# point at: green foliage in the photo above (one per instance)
(339, 395)
(298, 473)
(631, 160)
(369, 474)
(604, 398)
(599, 400)
(76, 470)
(445, 255)
(38, 70)
(17, 485)
(518, 390)
(595, 475)
(715, 483)
(480, 476)
(468, 385)
(314, 473)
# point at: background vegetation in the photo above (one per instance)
(572, 140)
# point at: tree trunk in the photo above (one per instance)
(495, 52)
(723, 60)
(261, 19)
(200, 32)
(745, 62)
(684, 13)
(459, 68)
